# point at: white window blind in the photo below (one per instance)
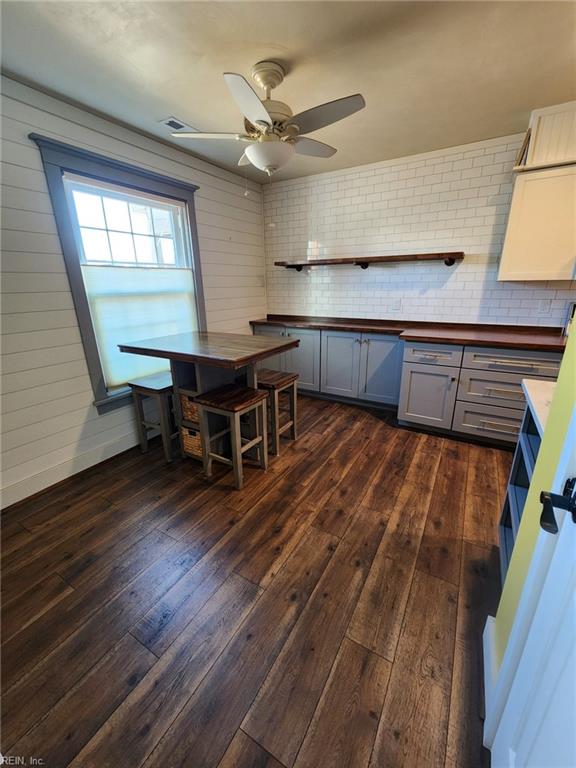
(135, 256)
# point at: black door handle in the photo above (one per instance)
(566, 501)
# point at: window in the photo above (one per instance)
(129, 242)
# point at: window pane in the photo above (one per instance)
(95, 243)
(162, 222)
(141, 219)
(122, 247)
(89, 210)
(166, 248)
(117, 214)
(145, 249)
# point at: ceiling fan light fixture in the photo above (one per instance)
(269, 156)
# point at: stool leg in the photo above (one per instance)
(262, 422)
(142, 432)
(236, 449)
(275, 421)
(165, 429)
(293, 399)
(205, 435)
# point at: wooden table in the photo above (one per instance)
(200, 361)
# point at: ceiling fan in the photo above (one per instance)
(272, 132)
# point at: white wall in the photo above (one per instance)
(50, 428)
(453, 199)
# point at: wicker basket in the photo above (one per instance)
(189, 408)
(192, 442)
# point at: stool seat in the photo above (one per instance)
(269, 379)
(158, 382)
(231, 398)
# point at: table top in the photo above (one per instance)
(223, 350)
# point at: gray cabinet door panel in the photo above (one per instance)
(275, 362)
(340, 363)
(432, 354)
(488, 421)
(380, 368)
(428, 394)
(491, 388)
(305, 359)
(533, 364)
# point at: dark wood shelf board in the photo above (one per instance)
(449, 260)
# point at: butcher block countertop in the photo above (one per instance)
(475, 334)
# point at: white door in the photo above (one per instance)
(537, 728)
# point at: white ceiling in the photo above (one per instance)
(434, 74)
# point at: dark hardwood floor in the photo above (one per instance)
(327, 615)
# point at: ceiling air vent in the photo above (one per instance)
(176, 125)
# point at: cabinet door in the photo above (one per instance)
(540, 239)
(428, 394)
(340, 363)
(380, 368)
(305, 359)
(276, 362)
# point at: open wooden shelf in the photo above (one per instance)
(364, 262)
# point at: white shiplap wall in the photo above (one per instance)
(50, 429)
(452, 199)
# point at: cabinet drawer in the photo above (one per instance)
(491, 388)
(433, 354)
(523, 361)
(487, 421)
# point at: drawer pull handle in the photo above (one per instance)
(517, 363)
(515, 395)
(512, 431)
(433, 355)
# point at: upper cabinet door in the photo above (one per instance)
(541, 235)
(380, 368)
(305, 359)
(552, 136)
(340, 363)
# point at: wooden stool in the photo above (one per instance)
(233, 402)
(159, 387)
(275, 382)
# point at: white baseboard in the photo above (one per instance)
(31, 485)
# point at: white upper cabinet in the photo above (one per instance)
(540, 239)
(552, 139)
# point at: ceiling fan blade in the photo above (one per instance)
(226, 136)
(305, 146)
(247, 99)
(244, 160)
(326, 114)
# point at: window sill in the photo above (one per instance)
(119, 399)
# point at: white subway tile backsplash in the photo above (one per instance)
(451, 199)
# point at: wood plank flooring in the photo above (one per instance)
(329, 615)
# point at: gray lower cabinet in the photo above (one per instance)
(487, 421)
(428, 394)
(340, 363)
(305, 359)
(380, 368)
(276, 362)
(491, 388)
